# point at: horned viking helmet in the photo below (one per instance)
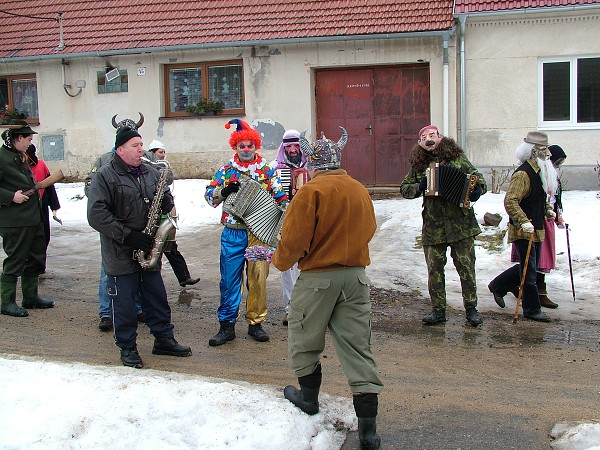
(128, 123)
(323, 153)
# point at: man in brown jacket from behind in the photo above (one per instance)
(327, 230)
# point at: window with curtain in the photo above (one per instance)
(188, 84)
(570, 92)
(19, 93)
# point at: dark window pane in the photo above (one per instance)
(101, 78)
(118, 84)
(185, 86)
(556, 91)
(225, 84)
(588, 90)
(4, 94)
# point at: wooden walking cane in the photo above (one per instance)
(516, 316)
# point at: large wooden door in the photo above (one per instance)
(382, 109)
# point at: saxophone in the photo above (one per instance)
(162, 232)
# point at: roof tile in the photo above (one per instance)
(472, 6)
(118, 24)
(30, 28)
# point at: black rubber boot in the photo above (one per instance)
(31, 299)
(307, 397)
(258, 333)
(8, 297)
(226, 333)
(131, 358)
(169, 346)
(435, 316)
(473, 316)
(365, 406)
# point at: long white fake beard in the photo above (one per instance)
(548, 175)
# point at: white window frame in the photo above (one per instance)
(563, 124)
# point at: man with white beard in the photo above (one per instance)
(526, 203)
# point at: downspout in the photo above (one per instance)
(445, 112)
(463, 96)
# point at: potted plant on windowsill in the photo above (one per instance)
(7, 116)
(206, 107)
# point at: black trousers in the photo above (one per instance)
(511, 277)
(154, 304)
(178, 264)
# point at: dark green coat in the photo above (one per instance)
(14, 176)
(444, 222)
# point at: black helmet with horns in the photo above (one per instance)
(128, 122)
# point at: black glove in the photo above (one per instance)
(477, 191)
(232, 187)
(139, 241)
(423, 185)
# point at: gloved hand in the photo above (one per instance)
(551, 215)
(139, 241)
(232, 187)
(423, 185)
(477, 191)
(527, 227)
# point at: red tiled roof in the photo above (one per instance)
(119, 25)
(474, 6)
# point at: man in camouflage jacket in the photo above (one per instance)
(445, 224)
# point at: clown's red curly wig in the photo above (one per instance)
(243, 132)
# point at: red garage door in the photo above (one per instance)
(382, 109)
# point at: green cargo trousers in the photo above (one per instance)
(463, 255)
(337, 300)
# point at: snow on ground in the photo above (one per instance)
(122, 408)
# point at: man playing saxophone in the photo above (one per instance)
(121, 199)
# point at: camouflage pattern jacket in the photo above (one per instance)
(443, 222)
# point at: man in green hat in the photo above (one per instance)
(21, 225)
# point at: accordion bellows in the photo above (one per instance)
(257, 208)
(450, 183)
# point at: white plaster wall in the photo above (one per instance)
(279, 94)
(501, 65)
(502, 56)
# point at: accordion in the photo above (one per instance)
(292, 179)
(257, 208)
(450, 183)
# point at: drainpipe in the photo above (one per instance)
(446, 95)
(463, 100)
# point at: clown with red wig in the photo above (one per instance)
(235, 238)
